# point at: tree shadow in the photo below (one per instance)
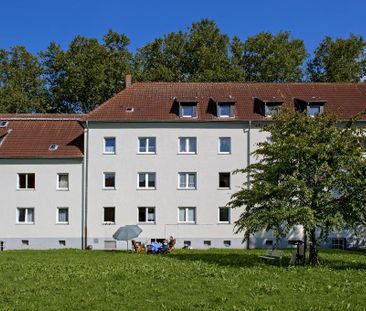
(238, 260)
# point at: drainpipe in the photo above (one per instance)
(85, 187)
(247, 233)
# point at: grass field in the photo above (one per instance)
(183, 280)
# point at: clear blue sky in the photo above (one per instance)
(34, 23)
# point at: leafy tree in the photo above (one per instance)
(21, 83)
(269, 58)
(88, 73)
(340, 60)
(311, 174)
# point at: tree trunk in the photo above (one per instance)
(313, 254)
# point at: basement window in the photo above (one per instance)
(62, 243)
(227, 243)
(207, 243)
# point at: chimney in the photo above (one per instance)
(128, 81)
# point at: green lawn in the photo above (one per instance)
(183, 280)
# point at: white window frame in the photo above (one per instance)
(58, 182)
(58, 213)
(187, 208)
(186, 138)
(146, 180)
(148, 138)
(25, 222)
(194, 110)
(219, 145)
(26, 181)
(187, 187)
(147, 221)
(218, 216)
(104, 180)
(105, 145)
(320, 107)
(106, 222)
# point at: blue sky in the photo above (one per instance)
(34, 23)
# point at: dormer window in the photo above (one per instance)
(53, 147)
(225, 110)
(3, 123)
(267, 107)
(271, 109)
(188, 110)
(313, 105)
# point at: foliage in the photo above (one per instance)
(21, 83)
(88, 73)
(269, 58)
(310, 174)
(183, 280)
(340, 60)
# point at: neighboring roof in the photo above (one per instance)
(155, 101)
(30, 137)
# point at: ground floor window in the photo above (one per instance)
(63, 215)
(187, 214)
(146, 214)
(224, 215)
(109, 215)
(25, 215)
(339, 243)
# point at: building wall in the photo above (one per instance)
(45, 232)
(207, 198)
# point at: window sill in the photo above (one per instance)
(187, 223)
(62, 223)
(146, 223)
(108, 223)
(224, 153)
(109, 188)
(224, 223)
(26, 189)
(25, 223)
(187, 153)
(224, 188)
(62, 189)
(109, 153)
(146, 153)
(146, 189)
(186, 188)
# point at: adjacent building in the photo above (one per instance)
(160, 155)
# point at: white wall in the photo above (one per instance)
(45, 232)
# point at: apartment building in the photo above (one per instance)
(160, 155)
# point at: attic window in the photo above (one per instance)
(130, 109)
(314, 110)
(4, 123)
(313, 106)
(271, 108)
(53, 147)
(225, 110)
(267, 107)
(188, 110)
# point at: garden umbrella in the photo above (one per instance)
(127, 233)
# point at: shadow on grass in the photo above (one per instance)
(243, 260)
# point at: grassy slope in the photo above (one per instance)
(183, 280)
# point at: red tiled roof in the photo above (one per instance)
(26, 138)
(155, 101)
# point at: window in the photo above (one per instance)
(109, 180)
(187, 214)
(53, 147)
(25, 216)
(110, 145)
(269, 243)
(227, 243)
(62, 215)
(224, 180)
(339, 243)
(147, 145)
(62, 243)
(207, 243)
(187, 144)
(225, 110)
(271, 109)
(146, 214)
(314, 110)
(225, 145)
(3, 123)
(26, 181)
(110, 244)
(25, 242)
(188, 110)
(224, 215)
(187, 180)
(146, 180)
(63, 181)
(187, 244)
(109, 215)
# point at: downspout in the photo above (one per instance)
(247, 233)
(85, 189)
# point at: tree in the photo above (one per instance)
(22, 88)
(201, 54)
(269, 58)
(88, 73)
(340, 60)
(311, 174)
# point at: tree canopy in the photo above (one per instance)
(311, 173)
(88, 72)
